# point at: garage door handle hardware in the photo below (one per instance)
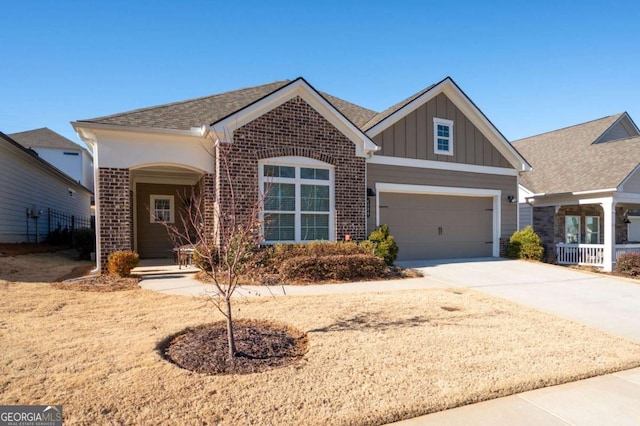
(488, 242)
(488, 210)
(439, 230)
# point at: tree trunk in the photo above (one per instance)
(231, 340)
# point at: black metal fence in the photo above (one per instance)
(60, 225)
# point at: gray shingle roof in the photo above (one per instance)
(184, 115)
(387, 112)
(567, 160)
(43, 138)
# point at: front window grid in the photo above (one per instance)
(162, 208)
(572, 229)
(309, 207)
(592, 229)
(443, 136)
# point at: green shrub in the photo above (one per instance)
(84, 241)
(385, 246)
(525, 244)
(122, 262)
(628, 264)
(340, 267)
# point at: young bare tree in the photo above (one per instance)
(225, 240)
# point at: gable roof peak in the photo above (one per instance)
(597, 121)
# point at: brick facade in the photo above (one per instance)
(296, 129)
(115, 212)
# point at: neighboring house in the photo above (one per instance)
(432, 167)
(59, 151)
(584, 190)
(35, 196)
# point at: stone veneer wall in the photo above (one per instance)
(115, 212)
(550, 226)
(296, 129)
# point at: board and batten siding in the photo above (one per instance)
(25, 184)
(508, 185)
(412, 137)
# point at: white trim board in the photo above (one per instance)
(495, 194)
(440, 165)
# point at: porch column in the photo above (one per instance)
(609, 207)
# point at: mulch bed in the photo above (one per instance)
(99, 283)
(260, 345)
(19, 249)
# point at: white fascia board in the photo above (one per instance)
(226, 127)
(627, 198)
(464, 104)
(81, 125)
(440, 165)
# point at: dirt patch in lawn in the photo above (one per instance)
(43, 267)
(372, 358)
(260, 346)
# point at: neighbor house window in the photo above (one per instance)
(592, 229)
(572, 229)
(72, 192)
(162, 209)
(298, 199)
(442, 136)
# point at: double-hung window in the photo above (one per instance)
(442, 136)
(162, 208)
(572, 229)
(592, 229)
(298, 199)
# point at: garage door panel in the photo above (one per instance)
(438, 226)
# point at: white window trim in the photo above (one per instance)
(443, 122)
(566, 228)
(298, 162)
(72, 193)
(152, 208)
(586, 230)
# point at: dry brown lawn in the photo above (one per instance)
(42, 267)
(373, 358)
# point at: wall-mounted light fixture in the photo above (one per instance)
(511, 198)
(371, 192)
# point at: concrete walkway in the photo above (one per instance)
(599, 301)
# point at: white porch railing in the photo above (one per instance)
(626, 248)
(580, 254)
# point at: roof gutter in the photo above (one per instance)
(193, 132)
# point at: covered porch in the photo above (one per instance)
(588, 229)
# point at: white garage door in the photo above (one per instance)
(439, 226)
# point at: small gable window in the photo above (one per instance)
(442, 136)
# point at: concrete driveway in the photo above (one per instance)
(600, 301)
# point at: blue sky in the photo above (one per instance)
(530, 66)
